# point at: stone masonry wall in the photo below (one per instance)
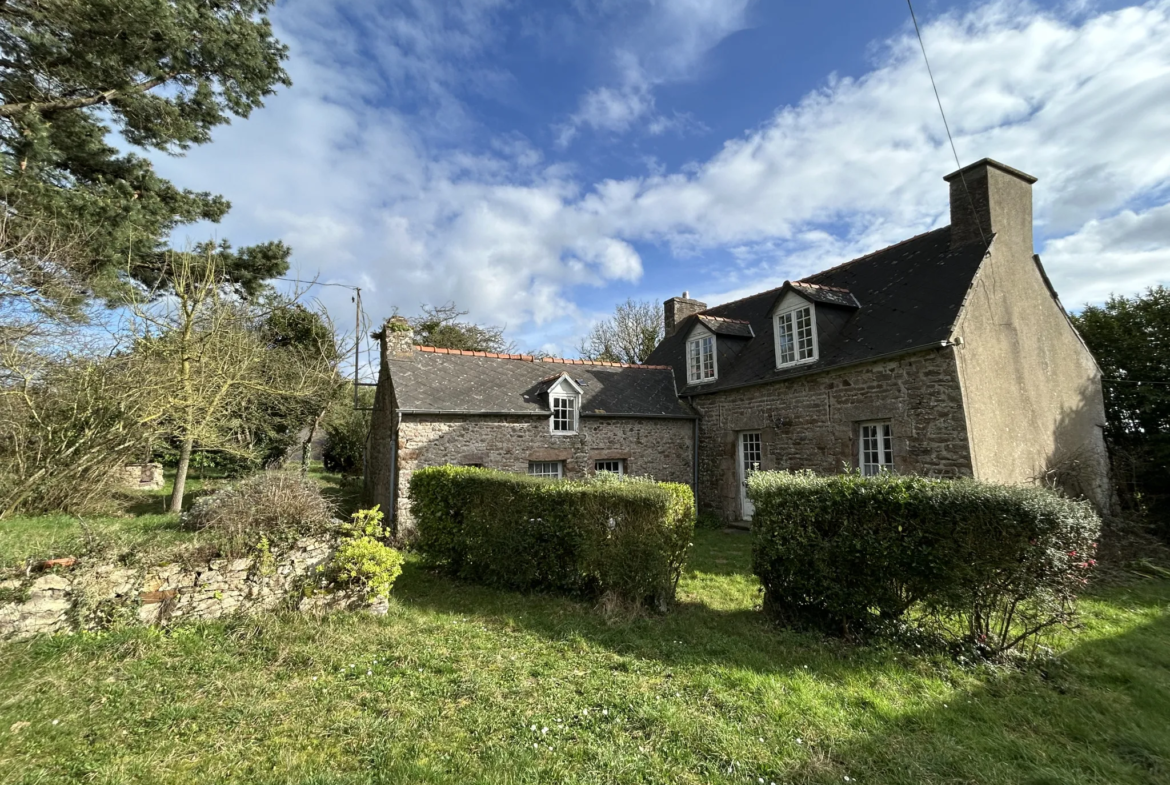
(811, 422)
(93, 597)
(658, 448)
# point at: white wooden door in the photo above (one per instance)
(750, 455)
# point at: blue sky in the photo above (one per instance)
(538, 162)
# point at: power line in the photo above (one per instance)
(316, 283)
(946, 125)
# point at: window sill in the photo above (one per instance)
(797, 363)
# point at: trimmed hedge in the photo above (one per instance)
(988, 566)
(625, 537)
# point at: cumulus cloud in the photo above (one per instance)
(367, 191)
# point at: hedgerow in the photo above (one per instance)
(989, 568)
(624, 537)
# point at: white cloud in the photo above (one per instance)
(364, 192)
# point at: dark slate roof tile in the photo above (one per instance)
(462, 383)
(902, 297)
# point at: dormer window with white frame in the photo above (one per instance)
(702, 365)
(796, 332)
(564, 400)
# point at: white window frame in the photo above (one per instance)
(875, 440)
(790, 317)
(572, 402)
(542, 469)
(620, 464)
(697, 372)
(564, 390)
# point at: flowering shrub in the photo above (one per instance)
(624, 536)
(989, 567)
(362, 560)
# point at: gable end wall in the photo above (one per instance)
(810, 422)
(1032, 389)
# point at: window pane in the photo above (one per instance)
(876, 452)
(804, 333)
(615, 467)
(544, 469)
(787, 348)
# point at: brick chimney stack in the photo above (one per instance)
(1002, 199)
(676, 309)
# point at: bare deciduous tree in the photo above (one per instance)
(629, 336)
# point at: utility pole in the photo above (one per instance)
(357, 342)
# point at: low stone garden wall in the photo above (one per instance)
(74, 597)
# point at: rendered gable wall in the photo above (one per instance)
(1031, 389)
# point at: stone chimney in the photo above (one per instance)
(1002, 199)
(676, 309)
(397, 338)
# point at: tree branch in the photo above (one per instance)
(61, 104)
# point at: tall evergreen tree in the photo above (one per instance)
(162, 74)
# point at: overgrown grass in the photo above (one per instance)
(459, 684)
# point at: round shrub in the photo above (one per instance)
(368, 565)
(987, 566)
(279, 507)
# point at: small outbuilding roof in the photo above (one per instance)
(438, 381)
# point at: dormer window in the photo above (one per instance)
(564, 417)
(796, 335)
(564, 400)
(701, 359)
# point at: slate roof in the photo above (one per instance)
(901, 298)
(480, 382)
(737, 328)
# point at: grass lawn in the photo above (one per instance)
(462, 684)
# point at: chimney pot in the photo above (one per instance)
(676, 309)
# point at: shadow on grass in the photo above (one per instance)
(692, 632)
(724, 629)
(1099, 713)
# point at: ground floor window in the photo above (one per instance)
(551, 469)
(617, 467)
(877, 448)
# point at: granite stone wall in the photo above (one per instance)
(658, 448)
(92, 597)
(811, 422)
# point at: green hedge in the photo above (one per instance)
(620, 536)
(989, 566)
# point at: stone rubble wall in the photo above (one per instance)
(142, 476)
(658, 448)
(812, 422)
(93, 597)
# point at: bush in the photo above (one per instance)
(619, 536)
(346, 429)
(990, 567)
(363, 560)
(279, 507)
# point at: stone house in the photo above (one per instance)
(546, 417)
(946, 355)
